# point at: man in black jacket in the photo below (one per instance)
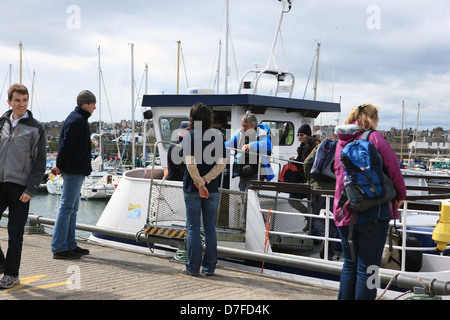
(74, 164)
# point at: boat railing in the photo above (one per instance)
(283, 85)
(327, 216)
(417, 229)
(160, 211)
(271, 159)
(436, 194)
(402, 223)
(232, 203)
(289, 188)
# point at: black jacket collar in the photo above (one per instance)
(84, 113)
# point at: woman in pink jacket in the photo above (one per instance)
(371, 226)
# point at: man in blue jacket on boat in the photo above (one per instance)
(253, 140)
(73, 162)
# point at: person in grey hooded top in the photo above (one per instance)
(22, 166)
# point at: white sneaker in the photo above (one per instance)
(9, 282)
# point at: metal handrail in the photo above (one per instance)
(401, 280)
(329, 216)
(284, 187)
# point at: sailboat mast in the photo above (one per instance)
(401, 136)
(21, 48)
(144, 138)
(317, 71)
(218, 68)
(133, 152)
(32, 91)
(226, 45)
(100, 149)
(178, 67)
(417, 129)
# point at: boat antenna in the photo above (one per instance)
(278, 31)
(290, 6)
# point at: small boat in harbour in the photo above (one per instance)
(102, 187)
(98, 185)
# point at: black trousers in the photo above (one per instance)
(17, 218)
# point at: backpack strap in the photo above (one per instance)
(350, 236)
(366, 134)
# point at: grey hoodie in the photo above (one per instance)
(22, 152)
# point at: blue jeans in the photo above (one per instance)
(17, 218)
(196, 207)
(368, 240)
(66, 219)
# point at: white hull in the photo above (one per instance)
(98, 185)
(97, 191)
(54, 185)
(127, 211)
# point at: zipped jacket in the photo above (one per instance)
(74, 152)
(347, 134)
(23, 152)
(261, 144)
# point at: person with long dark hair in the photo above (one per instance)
(204, 154)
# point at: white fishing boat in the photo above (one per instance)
(258, 230)
(145, 202)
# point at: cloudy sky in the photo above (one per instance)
(378, 51)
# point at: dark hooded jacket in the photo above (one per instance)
(74, 153)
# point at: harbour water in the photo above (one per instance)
(46, 205)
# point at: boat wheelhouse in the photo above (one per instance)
(282, 115)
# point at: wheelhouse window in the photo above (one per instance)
(282, 132)
(170, 127)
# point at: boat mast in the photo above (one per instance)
(401, 136)
(218, 67)
(272, 52)
(178, 67)
(417, 128)
(226, 45)
(317, 71)
(32, 91)
(144, 138)
(133, 153)
(316, 82)
(282, 86)
(21, 48)
(100, 149)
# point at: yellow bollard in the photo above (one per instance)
(441, 233)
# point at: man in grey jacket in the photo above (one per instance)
(22, 166)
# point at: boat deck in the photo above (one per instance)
(115, 274)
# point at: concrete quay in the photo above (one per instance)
(109, 273)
